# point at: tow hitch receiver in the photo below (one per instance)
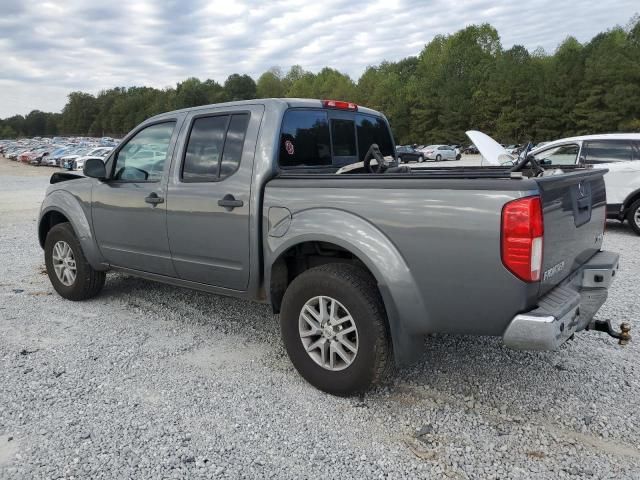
(623, 336)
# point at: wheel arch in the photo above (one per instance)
(61, 207)
(49, 220)
(631, 198)
(349, 238)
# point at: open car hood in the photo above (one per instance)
(492, 151)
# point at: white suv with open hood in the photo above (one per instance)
(617, 152)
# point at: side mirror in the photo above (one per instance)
(95, 168)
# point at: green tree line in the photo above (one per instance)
(462, 81)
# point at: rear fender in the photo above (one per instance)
(403, 302)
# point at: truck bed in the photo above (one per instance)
(446, 223)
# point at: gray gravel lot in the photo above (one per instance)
(152, 381)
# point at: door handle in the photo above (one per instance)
(229, 202)
(154, 199)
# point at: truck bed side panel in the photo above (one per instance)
(449, 238)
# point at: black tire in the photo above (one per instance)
(438, 158)
(354, 288)
(88, 282)
(458, 156)
(633, 216)
(420, 159)
(400, 159)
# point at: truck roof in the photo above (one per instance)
(267, 102)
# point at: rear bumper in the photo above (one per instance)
(566, 309)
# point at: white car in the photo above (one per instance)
(439, 152)
(76, 162)
(619, 153)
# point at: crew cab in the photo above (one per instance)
(301, 204)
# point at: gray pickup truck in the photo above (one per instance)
(301, 204)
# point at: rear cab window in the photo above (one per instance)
(326, 139)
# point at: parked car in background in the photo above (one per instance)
(514, 149)
(407, 154)
(99, 153)
(67, 160)
(471, 150)
(439, 152)
(40, 156)
(57, 151)
(617, 152)
(61, 151)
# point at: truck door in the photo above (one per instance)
(129, 209)
(209, 196)
(616, 156)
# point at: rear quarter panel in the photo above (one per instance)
(622, 179)
(446, 233)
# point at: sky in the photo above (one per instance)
(51, 48)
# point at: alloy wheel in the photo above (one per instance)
(328, 333)
(64, 263)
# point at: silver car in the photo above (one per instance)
(439, 152)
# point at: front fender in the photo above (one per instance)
(71, 207)
(407, 316)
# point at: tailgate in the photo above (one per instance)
(574, 211)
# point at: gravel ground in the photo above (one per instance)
(151, 381)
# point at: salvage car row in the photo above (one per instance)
(65, 152)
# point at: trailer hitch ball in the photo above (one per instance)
(625, 335)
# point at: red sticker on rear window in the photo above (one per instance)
(289, 147)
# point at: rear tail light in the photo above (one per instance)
(522, 233)
(339, 104)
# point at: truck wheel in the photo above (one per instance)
(633, 216)
(70, 273)
(420, 159)
(438, 157)
(334, 328)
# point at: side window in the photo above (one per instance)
(608, 151)
(304, 140)
(233, 144)
(560, 155)
(143, 157)
(373, 130)
(214, 147)
(343, 135)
